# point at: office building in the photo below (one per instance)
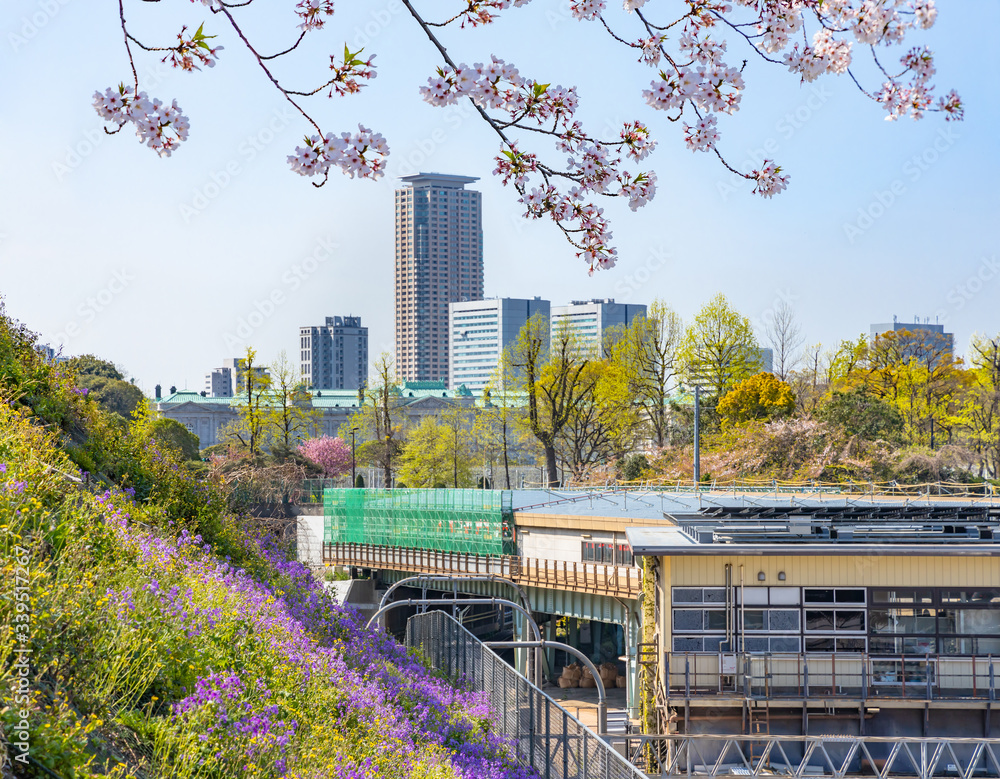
(439, 260)
(589, 319)
(829, 615)
(480, 330)
(919, 339)
(227, 381)
(766, 359)
(334, 355)
(219, 383)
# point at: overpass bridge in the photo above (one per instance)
(569, 550)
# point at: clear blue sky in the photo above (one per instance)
(154, 263)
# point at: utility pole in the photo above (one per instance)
(697, 436)
(354, 464)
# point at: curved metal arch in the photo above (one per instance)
(469, 602)
(602, 695)
(456, 601)
(490, 577)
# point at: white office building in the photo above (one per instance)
(588, 319)
(479, 331)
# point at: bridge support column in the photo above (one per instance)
(631, 627)
(520, 654)
(550, 652)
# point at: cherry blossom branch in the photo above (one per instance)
(228, 14)
(695, 81)
(128, 48)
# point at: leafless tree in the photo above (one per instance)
(784, 336)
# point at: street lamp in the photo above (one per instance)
(354, 449)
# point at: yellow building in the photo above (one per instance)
(863, 620)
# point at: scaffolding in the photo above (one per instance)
(468, 521)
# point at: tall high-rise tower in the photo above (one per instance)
(439, 260)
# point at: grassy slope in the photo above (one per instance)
(167, 639)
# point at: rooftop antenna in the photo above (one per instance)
(894, 319)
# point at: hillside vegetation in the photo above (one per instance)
(167, 637)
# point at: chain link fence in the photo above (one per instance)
(542, 733)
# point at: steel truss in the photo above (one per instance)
(835, 756)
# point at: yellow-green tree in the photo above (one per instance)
(437, 452)
(603, 424)
(551, 376)
(719, 348)
(917, 373)
(647, 353)
(291, 417)
(763, 396)
(249, 429)
(378, 420)
(497, 430)
(981, 405)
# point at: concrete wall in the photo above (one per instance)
(839, 571)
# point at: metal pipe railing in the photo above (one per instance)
(602, 695)
(470, 602)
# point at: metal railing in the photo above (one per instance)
(542, 734)
(419, 560)
(622, 581)
(834, 756)
(842, 675)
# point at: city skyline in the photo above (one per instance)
(224, 213)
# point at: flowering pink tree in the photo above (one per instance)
(692, 81)
(331, 455)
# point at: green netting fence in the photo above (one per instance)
(468, 521)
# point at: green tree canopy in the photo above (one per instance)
(437, 453)
(859, 413)
(89, 365)
(113, 394)
(105, 384)
(174, 435)
(719, 348)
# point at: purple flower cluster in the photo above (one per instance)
(15, 486)
(291, 616)
(236, 711)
